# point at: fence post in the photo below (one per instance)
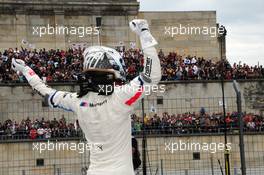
(161, 167)
(235, 170)
(226, 155)
(144, 141)
(241, 128)
(58, 171)
(54, 169)
(212, 164)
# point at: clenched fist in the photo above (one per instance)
(138, 26)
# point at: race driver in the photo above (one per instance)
(103, 114)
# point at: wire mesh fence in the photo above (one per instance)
(184, 137)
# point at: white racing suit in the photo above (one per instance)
(105, 120)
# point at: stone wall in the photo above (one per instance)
(201, 45)
(210, 149)
(15, 28)
(20, 157)
(18, 21)
(178, 97)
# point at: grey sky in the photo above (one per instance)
(243, 19)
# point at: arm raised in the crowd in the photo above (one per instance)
(56, 99)
(132, 92)
(152, 69)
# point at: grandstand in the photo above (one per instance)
(60, 66)
(187, 108)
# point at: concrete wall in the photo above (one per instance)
(16, 157)
(184, 44)
(181, 160)
(20, 157)
(180, 97)
(15, 28)
(189, 96)
(19, 19)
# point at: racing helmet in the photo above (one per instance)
(104, 59)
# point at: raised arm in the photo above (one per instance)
(152, 69)
(55, 99)
(129, 94)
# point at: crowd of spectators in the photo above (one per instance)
(203, 122)
(177, 67)
(59, 66)
(51, 65)
(186, 123)
(39, 129)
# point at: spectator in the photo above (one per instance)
(47, 133)
(40, 133)
(33, 133)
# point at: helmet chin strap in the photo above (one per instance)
(98, 82)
